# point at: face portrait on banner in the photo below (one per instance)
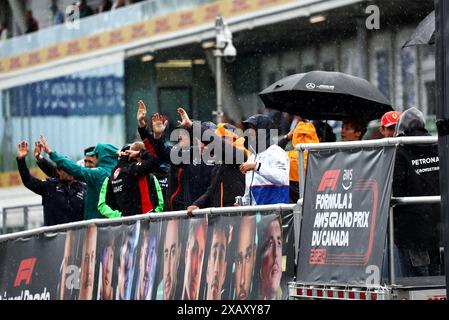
(148, 262)
(105, 287)
(69, 283)
(245, 258)
(127, 262)
(88, 263)
(217, 260)
(195, 248)
(270, 260)
(171, 254)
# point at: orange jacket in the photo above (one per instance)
(304, 132)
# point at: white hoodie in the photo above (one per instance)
(269, 182)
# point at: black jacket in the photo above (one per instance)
(47, 167)
(227, 182)
(62, 203)
(416, 173)
(131, 188)
(187, 182)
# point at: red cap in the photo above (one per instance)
(390, 119)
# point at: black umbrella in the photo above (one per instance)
(424, 33)
(320, 95)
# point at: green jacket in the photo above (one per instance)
(110, 213)
(94, 177)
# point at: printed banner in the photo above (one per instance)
(70, 95)
(206, 258)
(30, 267)
(345, 216)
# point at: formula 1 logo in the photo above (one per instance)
(330, 179)
(25, 271)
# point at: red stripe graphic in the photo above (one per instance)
(145, 200)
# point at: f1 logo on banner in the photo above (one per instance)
(25, 271)
(330, 179)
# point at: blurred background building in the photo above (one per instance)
(78, 82)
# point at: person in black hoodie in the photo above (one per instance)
(189, 179)
(417, 227)
(227, 182)
(62, 197)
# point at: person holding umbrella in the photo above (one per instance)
(304, 132)
(353, 129)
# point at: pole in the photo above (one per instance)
(442, 97)
(391, 247)
(218, 81)
(5, 229)
(25, 218)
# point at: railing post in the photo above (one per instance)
(25, 218)
(5, 229)
(301, 173)
(297, 219)
(391, 247)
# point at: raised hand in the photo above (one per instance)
(141, 114)
(185, 120)
(23, 150)
(159, 123)
(132, 154)
(45, 145)
(37, 150)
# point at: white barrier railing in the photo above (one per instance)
(173, 214)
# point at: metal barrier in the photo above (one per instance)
(26, 213)
(210, 211)
(394, 201)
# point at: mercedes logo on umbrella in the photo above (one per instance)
(310, 86)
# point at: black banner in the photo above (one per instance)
(26, 266)
(345, 216)
(227, 257)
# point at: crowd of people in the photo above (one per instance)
(219, 166)
(58, 15)
(85, 10)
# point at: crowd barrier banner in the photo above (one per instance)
(208, 257)
(345, 216)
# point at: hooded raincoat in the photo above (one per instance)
(93, 177)
(416, 173)
(269, 182)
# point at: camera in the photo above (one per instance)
(230, 53)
